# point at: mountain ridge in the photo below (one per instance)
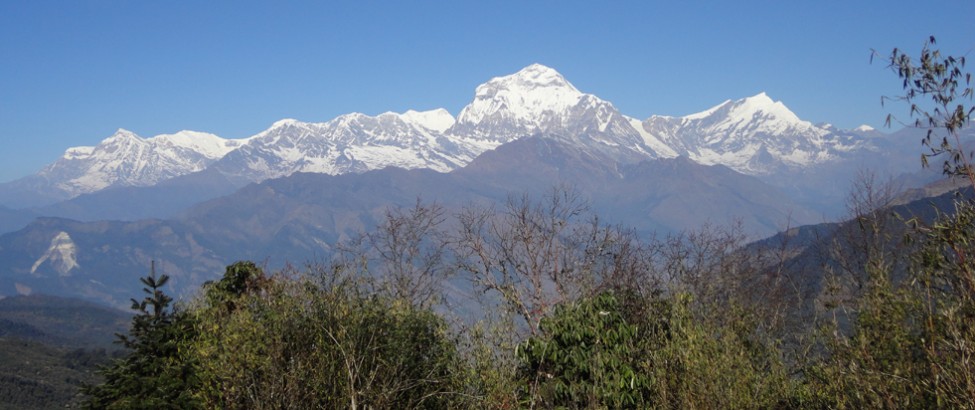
(754, 135)
(304, 216)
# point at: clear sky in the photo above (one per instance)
(72, 72)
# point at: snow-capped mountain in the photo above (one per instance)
(753, 135)
(126, 159)
(535, 100)
(859, 131)
(352, 143)
(538, 100)
(531, 101)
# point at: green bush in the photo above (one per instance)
(294, 344)
(618, 352)
(589, 355)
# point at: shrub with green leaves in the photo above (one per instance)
(945, 281)
(292, 343)
(589, 355)
(610, 351)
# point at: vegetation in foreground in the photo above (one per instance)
(539, 305)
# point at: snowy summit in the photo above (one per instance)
(518, 103)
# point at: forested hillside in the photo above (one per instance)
(50, 347)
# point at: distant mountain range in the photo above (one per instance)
(755, 136)
(90, 223)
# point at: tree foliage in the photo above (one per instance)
(936, 88)
(292, 343)
(589, 355)
(910, 340)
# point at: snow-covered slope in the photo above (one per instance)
(438, 120)
(538, 100)
(61, 255)
(126, 159)
(352, 143)
(530, 101)
(753, 135)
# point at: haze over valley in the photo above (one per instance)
(193, 201)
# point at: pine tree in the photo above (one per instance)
(153, 374)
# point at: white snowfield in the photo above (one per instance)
(508, 107)
(61, 255)
(754, 135)
(127, 159)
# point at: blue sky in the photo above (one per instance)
(71, 72)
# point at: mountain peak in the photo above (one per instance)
(535, 80)
(745, 109)
(761, 103)
(538, 75)
(285, 122)
(537, 67)
(519, 102)
(760, 98)
(122, 134)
